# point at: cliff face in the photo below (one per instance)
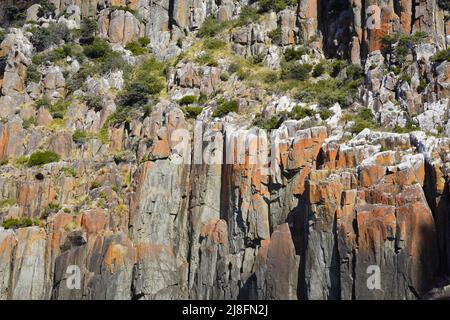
(163, 206)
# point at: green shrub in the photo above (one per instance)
(275, 5)
(40, 158)
(440, 56)
(47, 9)
(203, 98)
(337, 66)
(2, 35)
(136, 48)
(44, 38)
(296, 71)
(248, 15)
(276, 36)
(326, 92)
(95, 185)
(43, 102)
(187, 100)
(405, 78)
(14, 14)
(192, 112)
(135, 95)
(69, 171)
(150, 73)
(119, 157)
(325, 114)
(355, 72)
(113, 61)
(59, 108)
(271, 123)
(234, 67)
(79, 136)
(214, 44)
(409, 127)
(6, 203)
(33, 74)
(225, 107)
(99, 48)
(224, 76)
(363, 119)
(88, 30)
(319, 69)
(210, 28)
(27, 123)
(401, 45)
(94, 102)
(124, 8)
(144, 41)
(78, 80)
(257, 60)
(293, 54)
(11, 223)
(299, 112)
(206, 60)
(422, 86)
(53, 207)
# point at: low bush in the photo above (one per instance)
(33, 74)
(135, 95)
(192, 112)
(275, 5)
(124, 8)
(24, 222)
(276, 36)
(14, 15)
(248, 15)
(94, 102)
(79, 136)
(206, 60)
(87, 31)
(225, 107)
(337, 66)
(401, 45)
(363, 119)
(214, 44)
(440, 56)
(68, 171)
(299, 112)
(59, 108)
(355, 72)
(187, 100)
(319, 69)
(44, 38)
(271, 123)
(144, 41)
(294, 54)
(136, 48)
(43, 102)
(47, 9)
(99, 48)
(210, 28)
(296, 71)
(40, 158)
(327, 92)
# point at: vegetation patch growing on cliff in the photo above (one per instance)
(44, 38)
(40, 158)
(24, 222)
(225, 107)
(440, 56)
